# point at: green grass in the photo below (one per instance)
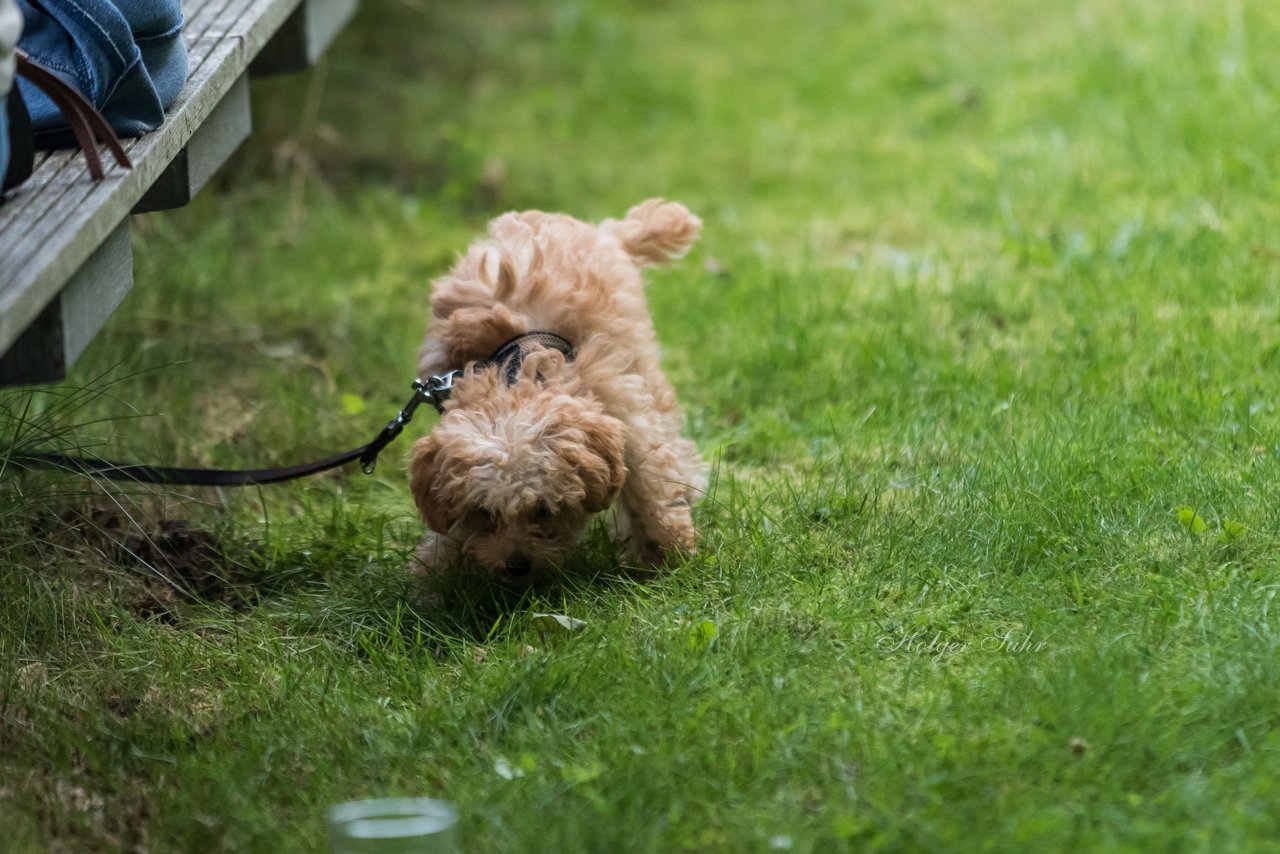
(987, 292)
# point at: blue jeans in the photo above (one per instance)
(126, 56)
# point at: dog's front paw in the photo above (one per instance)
(433, 554)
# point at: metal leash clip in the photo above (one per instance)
(437, 389)
(434, 391)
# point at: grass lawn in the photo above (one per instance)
(983, 335)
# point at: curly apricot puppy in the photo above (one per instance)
(517, 465)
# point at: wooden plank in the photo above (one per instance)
(220, 135)
(66, 325)
(304, 37)
(59, 218)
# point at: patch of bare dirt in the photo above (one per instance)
(186, 562)
(152, 563)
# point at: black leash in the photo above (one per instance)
(434, 391)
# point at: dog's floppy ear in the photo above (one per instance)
(427, 481)
(655, 231)
(603, 468)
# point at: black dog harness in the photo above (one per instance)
(509, 357)
(435, 390)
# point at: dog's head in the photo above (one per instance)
(512, 473)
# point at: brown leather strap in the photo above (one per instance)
(82, 117)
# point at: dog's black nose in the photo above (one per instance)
(518, 567)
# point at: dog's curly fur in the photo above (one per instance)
(511, 474)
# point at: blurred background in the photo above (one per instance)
(983, 333)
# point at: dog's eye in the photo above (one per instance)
(542, 511)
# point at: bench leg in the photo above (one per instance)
(65, 327)
(220, 135)
(303, 37)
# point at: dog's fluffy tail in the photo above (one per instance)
(655, 231)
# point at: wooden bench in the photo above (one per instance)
(65, 257)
